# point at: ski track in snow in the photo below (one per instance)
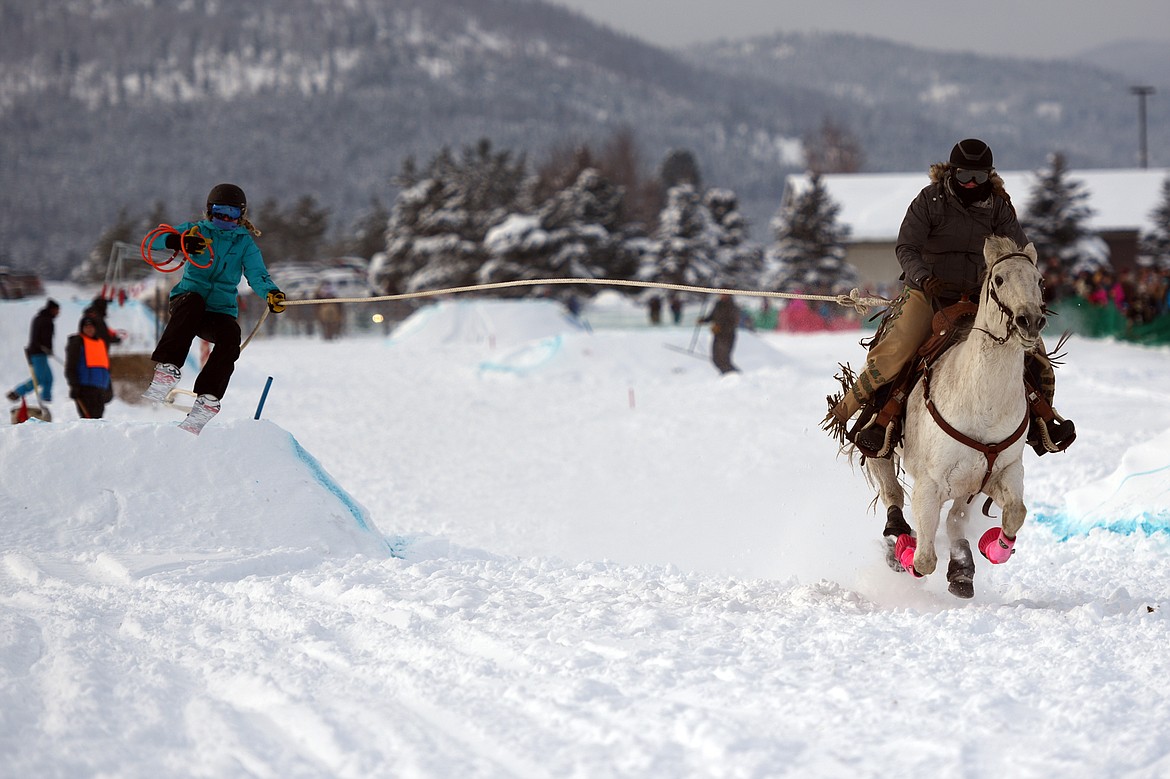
(690, 587)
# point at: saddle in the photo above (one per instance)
(951, 325)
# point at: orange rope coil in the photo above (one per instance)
(164, 266)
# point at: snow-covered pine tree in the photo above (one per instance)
(437, 227)
(1055, 221)
(574, 234)
(687, 241)
(808, 250)
(1155, 244)
(740, 261)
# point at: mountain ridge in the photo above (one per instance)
(125, 104)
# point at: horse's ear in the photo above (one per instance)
(1030, 250)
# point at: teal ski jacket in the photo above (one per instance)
(236, 255)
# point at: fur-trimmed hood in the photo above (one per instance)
(940, 173)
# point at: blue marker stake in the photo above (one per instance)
(263, 397)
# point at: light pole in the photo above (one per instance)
(1142, 92)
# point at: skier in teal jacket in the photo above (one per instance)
(220, 250)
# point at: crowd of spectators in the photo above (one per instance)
(1140, 294)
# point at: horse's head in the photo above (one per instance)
(1012, 299)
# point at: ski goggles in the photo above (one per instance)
(964, 176)
(231, 213)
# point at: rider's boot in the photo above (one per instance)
(1048, 431)
(877, 437)
(871, 438)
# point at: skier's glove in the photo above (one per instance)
(275, 301)
(192, 244)
(935, 287)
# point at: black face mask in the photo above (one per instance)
(973, 195)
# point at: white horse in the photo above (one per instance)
(965, 427)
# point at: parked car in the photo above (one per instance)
(16, 284)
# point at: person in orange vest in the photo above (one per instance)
(87, 369)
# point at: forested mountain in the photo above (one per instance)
(112, 107)
(1025, 108)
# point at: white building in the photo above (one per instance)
(873, 205)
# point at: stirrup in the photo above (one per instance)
(1053, 435)
(875, 441)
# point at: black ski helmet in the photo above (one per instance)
(227, 195)
(972, 154)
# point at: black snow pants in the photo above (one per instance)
(190, 319)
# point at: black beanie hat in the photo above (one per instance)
(972, 154)
(226, 195)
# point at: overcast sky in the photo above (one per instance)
(1033, 28)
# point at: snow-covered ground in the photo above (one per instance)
(497, 545)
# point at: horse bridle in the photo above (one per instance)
(1008, 314)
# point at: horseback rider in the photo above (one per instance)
(940, 249)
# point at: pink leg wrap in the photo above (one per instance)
(904, 550)
(995, 546)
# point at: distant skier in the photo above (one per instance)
(38, 351)
(204, 302)
(724, 319)
(654, 304)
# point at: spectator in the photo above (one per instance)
(97, 312)
(328, 314)
(87, 370)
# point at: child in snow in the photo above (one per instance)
(204, 304)
(87, 369)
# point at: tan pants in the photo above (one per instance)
(905, 329)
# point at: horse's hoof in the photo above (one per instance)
(962, 588)
(961, 571)
(996, 547)
(904, 551)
